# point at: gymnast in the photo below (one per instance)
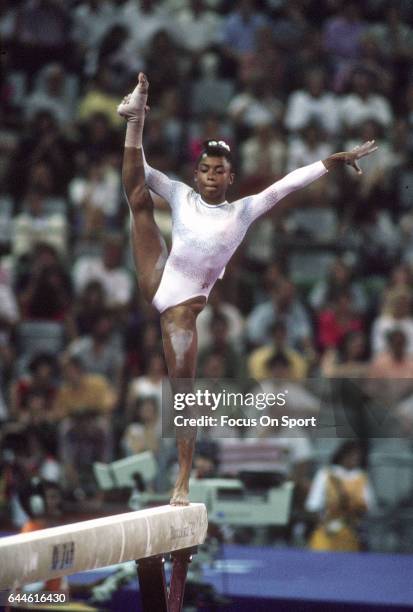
(206, 231)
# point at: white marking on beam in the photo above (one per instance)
(59, 551)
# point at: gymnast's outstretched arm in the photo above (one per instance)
(297, 179)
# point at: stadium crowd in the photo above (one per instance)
(322, 286)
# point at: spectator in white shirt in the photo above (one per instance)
(313, 103)
(201, 27)
(108, 269)
(363, 104)
(397, 314)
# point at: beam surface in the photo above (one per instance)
(58, 551)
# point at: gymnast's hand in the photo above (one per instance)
(351, 157)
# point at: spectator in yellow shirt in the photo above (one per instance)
(80, 391)
(258, 361)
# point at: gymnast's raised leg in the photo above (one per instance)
(178, 323)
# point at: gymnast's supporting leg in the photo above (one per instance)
(150, 255)
(180, 346)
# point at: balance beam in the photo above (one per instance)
(59, 551)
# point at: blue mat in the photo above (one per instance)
(263, 579)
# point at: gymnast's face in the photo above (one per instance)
(213, 176)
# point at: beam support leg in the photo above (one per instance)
(180, 562)
(152, 584)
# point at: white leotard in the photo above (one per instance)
(205, 236)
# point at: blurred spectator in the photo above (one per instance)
(100, 352)
(111, 54)
(47, 295)
(373, 61)
(221, 345)
(217, 304)
(340, 278)
(391, 374)
(240, 28)
(255, 106)
(341, 495)
(171, 116)
(283, 305)
(96, 140)
(100, 98)
(313, 104)
(290, 26)
(26, 453)
(310, 147)
(201, 27)
(168, 62)
(210, 92)
(336, 320)
(96, 198)
(39, 381)
(264, 154)
(9, 312)
(269, 279)
(268, 62)
(8, 14)
(41, 32)
(88, 307)
(381, 238)
(36, 225)
(205, 463)
(348, 359)
(84, 439)
(90, 21)
(150, 384)
(144, 430)
(81, 392)
(144, 19)
(400, 279)
(363, 103)
(42, 501)
(307, 149)
(41, 142)
(54, 92)
(394, 361)
(397, 314)
(394, 37)
(259, 361)
(108, 270)
(374, 183)
(342, 37)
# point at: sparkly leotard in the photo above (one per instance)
(205, 236)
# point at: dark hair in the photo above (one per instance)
(215, 148)
(35, 486)
(219, 317)
(40, 359)
(76, 361)
(345, 449)
(278, 359)
(278, 325)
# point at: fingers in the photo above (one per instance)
(366, 148)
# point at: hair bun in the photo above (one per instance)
(217, 144)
